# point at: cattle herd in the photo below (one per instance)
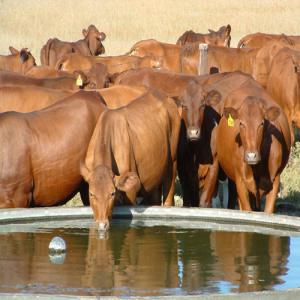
(121, 128)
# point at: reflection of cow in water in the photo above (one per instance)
(146, 261)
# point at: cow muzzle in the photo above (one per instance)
(103, 226)
(193, 133)
(252, 157)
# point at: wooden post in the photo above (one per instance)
(202, 68)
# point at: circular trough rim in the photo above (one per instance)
(30, 215)
(169, 215)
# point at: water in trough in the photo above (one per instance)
(134, 260)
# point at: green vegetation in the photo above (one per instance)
(290, 177)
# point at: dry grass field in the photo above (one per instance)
(29, 23)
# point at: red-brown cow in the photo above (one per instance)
(284, 85)
(253, 145)
(169, 54)
(29, 98)
(90, 45)
(114, 64)
(133, 149)
(258, 40)
(19, 61)
(62, 83)
(41, 151)
(171, 83)
(220, 38)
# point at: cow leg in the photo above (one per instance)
(271, 196)
(169, 185)
(84, 194)
(243, 194)
(209, 186)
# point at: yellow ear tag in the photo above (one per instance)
(230, 121)
(79, 81)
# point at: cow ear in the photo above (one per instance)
(84, 32)
(228, 30)
(231, 112)
(127, 182)
(102, 36)
(13, 50)
(24, 55)
(84, 171)
(213, 98)
(272, 113)
(211, 31)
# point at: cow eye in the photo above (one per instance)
(262, 123)
(91, 194)
(242, 124)
(113, 193)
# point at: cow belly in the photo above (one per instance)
(152, 166)
(55, 184)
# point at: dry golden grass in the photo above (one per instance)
(29, 23)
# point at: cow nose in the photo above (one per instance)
(252, 157)
(193, 133)
(103, 226)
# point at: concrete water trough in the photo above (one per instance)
(280, 228)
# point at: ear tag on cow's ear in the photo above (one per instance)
(79, 81)
(230, 121)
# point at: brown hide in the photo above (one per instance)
(284, 84)
(220, 38)
(46, 72)
(123, 154)
(120, 95)
(258, 40)
(114, 64)
(18, 61)
(169, 54)
(61, 83)
(27, 99)
(253, 144)
(171, 83)
(41, 158)
(225, 59)
(91, 45)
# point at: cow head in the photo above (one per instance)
(250, 119)
(24, 58)
(103, 188)
(220, 38)
(95, 78)
(193, 101)
(94, 39)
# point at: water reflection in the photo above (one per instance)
(143, 261)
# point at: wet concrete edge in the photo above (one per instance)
(15, 216)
